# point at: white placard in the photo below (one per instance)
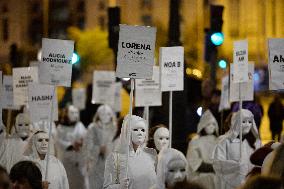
(22, 77)
(240, 61)
(7, 97)
(40, 97)
(246, 87)
(117, 97)
(136, 47)
(276, 64)
(147, 91)
(172, 68)
(103, 87)
(56, 65)
(224, 101)
(79, 98)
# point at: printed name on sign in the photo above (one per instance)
(240, 61)
(59, 58)
(136, 48)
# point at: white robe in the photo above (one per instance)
(200, 151)
(72, 160)
(57, 176)
(98, 135)
(231, 173)
(141, 169)
(11, 151)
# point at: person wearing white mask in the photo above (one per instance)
(70, 135)
(231, 155)
(172, 168)
(37, 152)
(199, 152)
(99, 144)
(132, 165)
(12, 148)
(159, 137)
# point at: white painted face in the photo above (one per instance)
(22, 125)
(176, 172)
(73, 114)
(246, 125)
(210, 128)
(161, 138)
(104, 115)
(138, 133)
(41, 143)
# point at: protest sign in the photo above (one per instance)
(103, 87)
(55, 67)
(136, 48)
(7, 93)
(224, 101)
(246, 87)
(276, 64)
(79, 98)
(147, 91)
(172, 68)
(22, 77)
(240, 63)
(40, 98)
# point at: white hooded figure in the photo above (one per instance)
(139, 171)
(200, 149)
(161, 138)
(99, 144)
(12, 148)
(36, 152)
(70, 141)
(172, 168)
(230, 164)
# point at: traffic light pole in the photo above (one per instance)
(213, 66)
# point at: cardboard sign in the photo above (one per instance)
(103, 87)
(7, 98)
(40, 98)
(147, 91)
(55, 67)
(136, 48)
(240, 61)
(79, 98)
(117, 97)
(224, 101)
(22, 77)
(172, 68)
(276, 64)
(246, 87)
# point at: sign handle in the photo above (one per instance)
(128, 128)
(171, 118)
(241, 130)
(49, 135)
(147, 115)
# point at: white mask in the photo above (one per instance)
(176, 172)
(210, 128)
(41, 143)
(138, 133)
(105, 116)
(246, 125)
(161, 138)
(73, 114)
(22, 125)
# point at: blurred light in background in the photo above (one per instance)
(39, 55)
(217, 38)
(193, 72)
(75, 58)
(222, 64)
(199, 111)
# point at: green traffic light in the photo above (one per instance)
(217, 38)
(75, 58)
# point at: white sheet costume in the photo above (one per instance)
(36, 152)
(230, 169)
(172, 168)
(70, 140)
(200, 149)
(12, 148)
(99, 144)
(141, 162)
